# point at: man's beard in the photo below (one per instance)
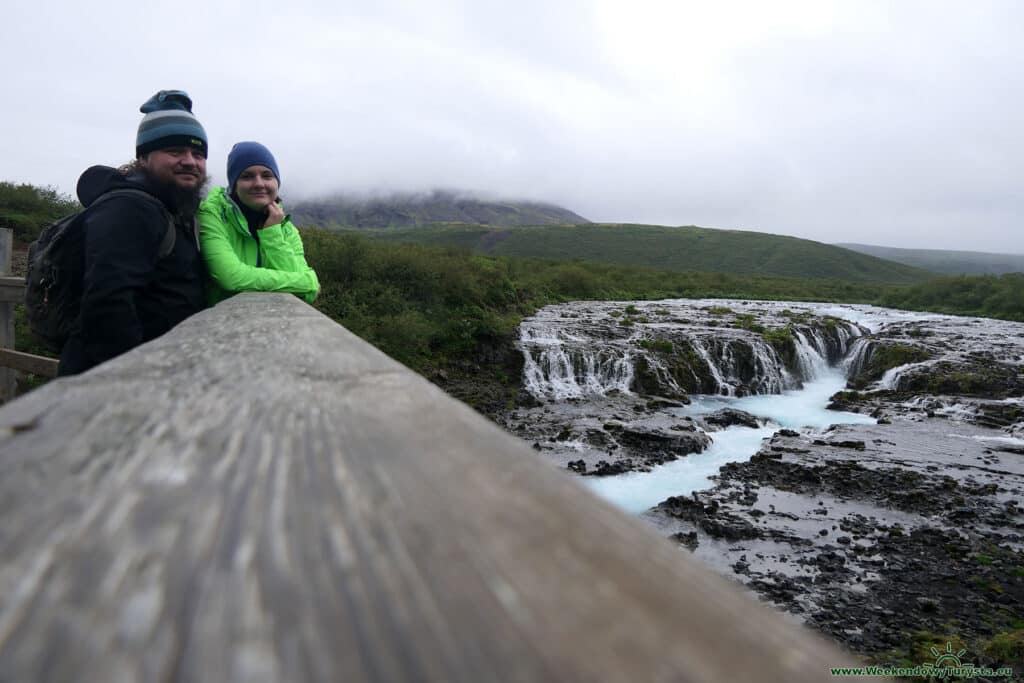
(185, 200)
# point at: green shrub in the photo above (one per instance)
(27, 209)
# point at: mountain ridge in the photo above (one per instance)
(438, 206)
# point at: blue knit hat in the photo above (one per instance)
(168, 122)
(246, 154)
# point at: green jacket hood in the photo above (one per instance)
(221, 205)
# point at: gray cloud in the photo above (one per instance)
(879, 122)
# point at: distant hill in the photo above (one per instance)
(672, 248)
(946, 262)
(412, 210)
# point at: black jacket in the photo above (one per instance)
(129, 294)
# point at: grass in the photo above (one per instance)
(667, 248)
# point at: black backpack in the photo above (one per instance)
(56, 264)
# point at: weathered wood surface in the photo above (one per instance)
(12, 289)
(261, 496)
(28, 362)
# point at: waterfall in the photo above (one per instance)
(559, 364)
(572, 351)
(722, 386)
(811, 354)
(857, 356)
(558, 373)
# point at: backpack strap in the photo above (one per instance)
(167, 243)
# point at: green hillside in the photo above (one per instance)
(946, 262)
(669, 248)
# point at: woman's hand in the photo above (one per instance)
(275, 214)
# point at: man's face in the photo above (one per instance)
(184, 167)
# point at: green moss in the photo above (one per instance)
(745, 321)
(884, 357)
(922, 642)
(1006, 648)
(659, 345)
(784, 342)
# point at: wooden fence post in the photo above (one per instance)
(7, 375)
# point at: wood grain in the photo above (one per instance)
(28, 362)
(261, 496)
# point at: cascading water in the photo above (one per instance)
(559, 364)
(577, 350)
(589, 362)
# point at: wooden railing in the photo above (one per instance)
(12, 292)
(259, 495)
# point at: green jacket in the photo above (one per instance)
(231, 253)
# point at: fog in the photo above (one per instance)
(876, 122)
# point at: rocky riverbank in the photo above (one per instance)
(877, 535)
(892, 537)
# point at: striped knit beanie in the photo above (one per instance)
(168, 122)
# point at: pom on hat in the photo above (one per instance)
(168, 122)
(246, 154)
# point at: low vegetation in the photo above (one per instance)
(686, 248)
(989, 296)
(27, 209)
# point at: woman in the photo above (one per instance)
(247, 240)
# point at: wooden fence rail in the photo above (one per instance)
(259, 495)
(12, 292)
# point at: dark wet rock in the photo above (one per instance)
(949, 559)
(688, 540)
(659, 403)
(658, 445)
(985, 380)
(709, 518)
(606, 469)
(727, 417)
(859, 445)
(578, 466)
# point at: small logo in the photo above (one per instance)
(946, 659)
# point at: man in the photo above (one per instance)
(141, 276)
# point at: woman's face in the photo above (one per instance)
(256, 187)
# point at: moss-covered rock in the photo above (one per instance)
(883, 356)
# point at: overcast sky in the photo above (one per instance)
(893, 123)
